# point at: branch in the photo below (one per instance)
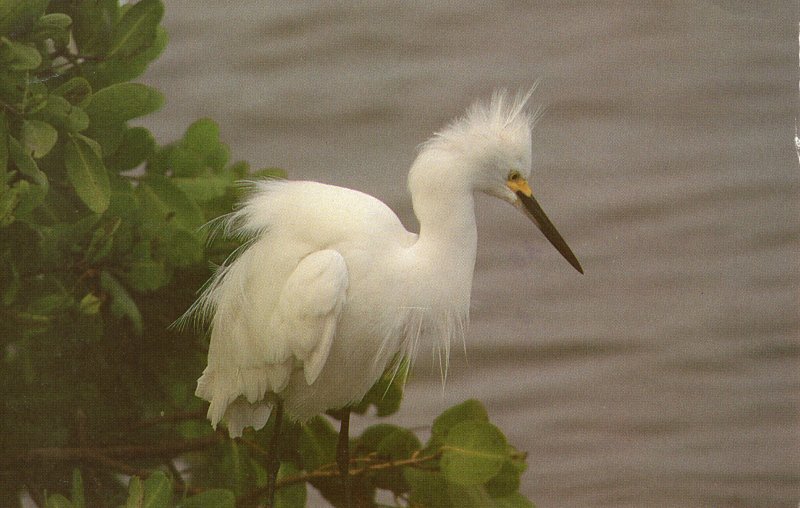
(331, 471)
(167, 449)
(108, 457)
(168, 418)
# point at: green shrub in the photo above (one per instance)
(101, 249)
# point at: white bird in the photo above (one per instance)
(330, 290)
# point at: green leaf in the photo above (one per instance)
(109, 136)
(184, 162)
(25, 163)
(291, 496)
(202, 140)
(90, 304)
(148, 275)
(166, 202)
(3, 143)
(17, 56)
(204, 188)
(57, 111)
(265, 173)
(198, 151)
(387, 441)
(124, 204)
(136, 146)
(387, 393)
(515, 500)
(18, 15)
(101, 242)
(50, 304)
(473, 453)
(58, 501)
(77, 91)
(469, 410)
(78, 499)
(218, 157)
(239, 170)
(428, 488)
(9, 198)
(399, 445)
(65, 238)
(38, 137)
(118, 70)
(135, 493)
(372, 436)
(52, 26)
(157, 491)
(212, 498)
(136, 29)
(317, 443)
(505, 482)
(77, 120)
(239, 467)
(93, 22)
(122, 305)
(517, 459)
(122, 102)
(472, 496)
(183, 248)
(9, 281)
(30, 196)
(58, 19)
(202, 136)
(87, 173)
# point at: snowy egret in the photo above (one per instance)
(330, 290)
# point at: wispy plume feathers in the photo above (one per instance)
(504, 114)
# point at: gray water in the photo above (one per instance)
(668, 375)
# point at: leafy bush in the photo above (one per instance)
(101, 249)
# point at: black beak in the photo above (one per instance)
(537, 215)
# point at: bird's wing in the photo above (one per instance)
(309, 308)
(251, 356)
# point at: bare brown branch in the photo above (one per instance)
(166, 449)
(374, 463)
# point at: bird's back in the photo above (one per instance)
(301, 237)
(318, 215)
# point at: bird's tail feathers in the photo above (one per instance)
(241, 414)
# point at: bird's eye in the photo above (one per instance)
(514, 176)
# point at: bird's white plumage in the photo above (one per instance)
(309, 307)
(277, 308)
(331, 288)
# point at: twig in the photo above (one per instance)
(168, 418)
(107, 457)
(159, 450)
(331, 470)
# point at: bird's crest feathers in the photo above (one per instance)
(505, 114)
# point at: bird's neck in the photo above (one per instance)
(443, 202)
(447, 225)
(446, 247)
(445, 208)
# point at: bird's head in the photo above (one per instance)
(488, 150)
